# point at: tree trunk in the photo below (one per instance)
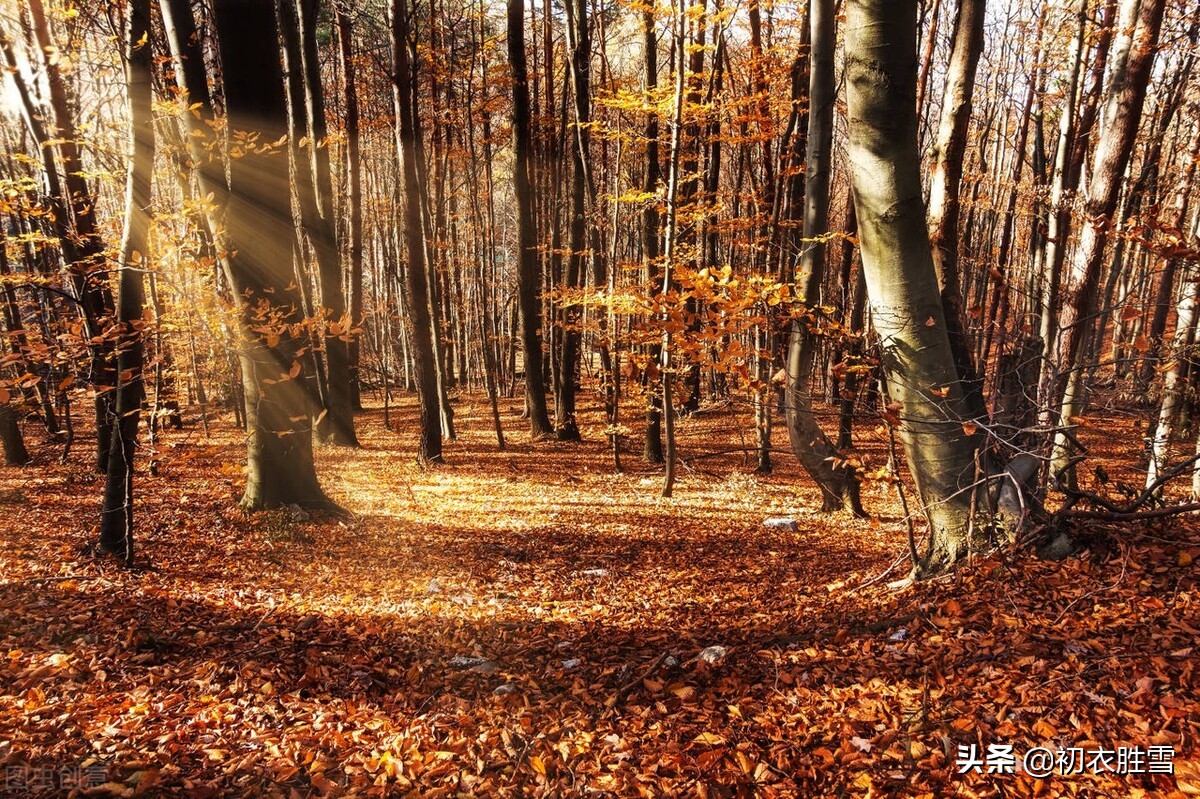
(898, 266)
(566, 426)
(78, 232)
(429, 449)
(528, 277)
(653, 451)
(315, 191)
(837, 481)
(353, 191)
(276, 364)
(1122, 113)
(1185, 324)
(1058, 221)
(946, 183)
(669, 245)
(116, 517)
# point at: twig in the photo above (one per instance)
(62, 578)
(1126, 516)
(629, 686)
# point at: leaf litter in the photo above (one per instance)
(422, 649)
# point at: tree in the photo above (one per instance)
(653, 449)
(835, 478)
(419, 301)
(906, 306)
(315, 191)
(945, 186)
(528, 278)
(116, 518)
(276, 357)
(1141, 22)
(73, 213)
(354, 192)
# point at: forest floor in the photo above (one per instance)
(531, 623)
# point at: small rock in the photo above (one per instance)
(434, 587)
(476, 664)
(571, 663)
(504, 690)
(671, 662)
(899, 635)
(595, 572)
(781, 523)
(712, 654)
(562, 645)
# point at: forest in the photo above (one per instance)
(785, 398)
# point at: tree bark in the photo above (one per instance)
(836, 480)
(906, 306)
(276, 363)
(429, 450)
(946, 183)
(116, 517)
(528, 276)
(653, 450)
(1141, 23)
(315, 191)
(354, 216)
(79, 234)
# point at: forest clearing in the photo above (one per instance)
(283, 655)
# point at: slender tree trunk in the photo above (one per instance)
(1122, 113)
(1058, 221)
(838, 482)
(429, 449)
(679, 20)
(116, 517)
(528, 277)
(946, 184)
(653, 451)
(566, 427)
(316, 203)
(1164, 429)
(76, 226)
(354, 216)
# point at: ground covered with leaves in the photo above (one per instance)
(531, 623)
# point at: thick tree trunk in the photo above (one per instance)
(15, 453)
(838, 482)
(898, 266)
(528, 276)
(276, 363)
